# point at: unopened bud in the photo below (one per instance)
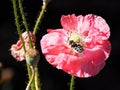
(32, 56)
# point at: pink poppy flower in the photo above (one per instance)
(81, 47)
(16, 49)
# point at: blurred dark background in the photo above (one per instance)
(51, 78)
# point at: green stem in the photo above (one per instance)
(20, 33)
(38, 21)
(31, 79)
(30, 75)
(72, 83)
(25, 21)
(37, 80)
(29, 70)
(17, 23)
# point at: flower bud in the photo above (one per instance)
(32, 56)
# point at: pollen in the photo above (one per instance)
(74, 37)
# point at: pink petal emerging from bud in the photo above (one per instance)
(93, 37)
(26, 39)
(16, 49)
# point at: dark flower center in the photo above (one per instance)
(74, 42)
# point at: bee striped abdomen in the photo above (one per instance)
(76, 46)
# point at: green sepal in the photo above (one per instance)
(32, 57)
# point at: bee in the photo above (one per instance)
(76, 46)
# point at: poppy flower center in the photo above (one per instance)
(75, 43)
(74, 37)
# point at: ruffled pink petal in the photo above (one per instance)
(85, 65)
(54, 42)
(94, 27)
(97, 53)
(69, 22)
(16, 49)
(102, 26)
(26, 39)
(94, 56)
(106, 47)
(80, 68)
(85, 23)
(74, 65)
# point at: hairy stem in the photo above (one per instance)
(29, 76)
(20, 33)
(17, 23)
(25, 21)
(37, 80)
(31, 79)
(39, 19)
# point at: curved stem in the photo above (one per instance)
(38, 21)
(72, 83)
(31, 79)
(17, 23)
(25, 21)
(29, 70)
(30, 75)
(37, 80)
